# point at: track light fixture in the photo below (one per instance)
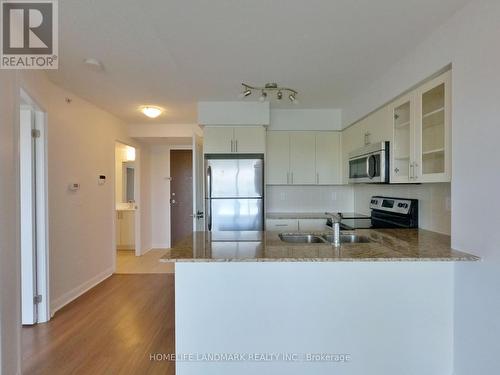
(248, 90)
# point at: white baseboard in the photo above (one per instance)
(74, 293)
(161, 246)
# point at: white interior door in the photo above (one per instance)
(198, 176)
(28, 217)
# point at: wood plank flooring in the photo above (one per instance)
(127, 262)
(111, 329)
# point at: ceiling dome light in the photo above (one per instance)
(151, 111)
(263, 96)
(94, 64)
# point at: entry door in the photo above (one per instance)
(198, 171)
(181, 195)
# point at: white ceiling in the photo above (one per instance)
(174, 53)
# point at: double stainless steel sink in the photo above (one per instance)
(307, 238)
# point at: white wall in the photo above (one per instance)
(469, 40)
(233, 113)
(81, 146)
(163, 130)
(309, 198)
(10, 290)
(160, 194)
(145, 204)
(434, 202)
(306, 119)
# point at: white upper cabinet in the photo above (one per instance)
(303, 158)
(402, 150)
(433, 131)
(277, 158)
(241, 140)
(218, 139)
(374, 128)
(328, 158)
(421, 134)
(250, 140)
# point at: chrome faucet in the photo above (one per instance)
(336, 219)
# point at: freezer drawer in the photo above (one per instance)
(235, 214)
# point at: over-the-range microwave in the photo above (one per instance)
(370, 164)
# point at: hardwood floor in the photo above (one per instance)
(111, 329)
(127, 262)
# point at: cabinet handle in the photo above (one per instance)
(415, 174)
(280, 225)
(412, 171)
(231, 145)
(236, 146)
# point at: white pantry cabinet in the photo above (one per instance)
(421, 123)
(237, 140)
(303, 158)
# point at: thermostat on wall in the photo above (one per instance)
(102, 179)
(75, 186)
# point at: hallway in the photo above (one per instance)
(111, 329)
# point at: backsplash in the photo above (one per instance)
(309, 198)
(434, 201)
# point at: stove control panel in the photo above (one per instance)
(397, 205)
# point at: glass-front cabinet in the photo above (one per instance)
(421, 124)
(433, 158)
(402, 114)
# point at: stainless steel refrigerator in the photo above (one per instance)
(234, 192)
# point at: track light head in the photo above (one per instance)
(263, 96)
(279, 95)
(245, 93)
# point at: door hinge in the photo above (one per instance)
(37, 299)
(35, 133)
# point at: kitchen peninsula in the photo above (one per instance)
(375, 302)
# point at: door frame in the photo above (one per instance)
(43, 313)
(137, 193)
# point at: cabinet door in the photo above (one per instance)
(250, 140)
(277, 158)
(433, 156)
(352, 139)
(282, 225)
(402, 149)
(328, 158)
(127, 231)
(218, 139)
(302, 158)
(378, 126)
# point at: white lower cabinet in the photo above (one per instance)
(282, 225)
(125, 230)
(294, 225)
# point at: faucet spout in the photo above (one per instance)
(336, 219)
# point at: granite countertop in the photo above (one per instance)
(266, 246)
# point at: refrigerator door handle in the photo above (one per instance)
(209, 200)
